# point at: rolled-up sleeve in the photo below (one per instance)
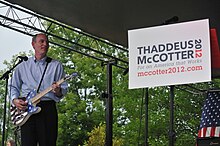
(59, 75)
(14, 85)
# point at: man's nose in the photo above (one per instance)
(45, 43)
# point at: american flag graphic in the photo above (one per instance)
(210, 120)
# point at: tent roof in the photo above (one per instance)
(111, 19)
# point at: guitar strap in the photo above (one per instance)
(48, 60)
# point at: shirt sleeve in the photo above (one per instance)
(14, 85)
(61, 74)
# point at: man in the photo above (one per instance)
(11, 142)
(41, 128)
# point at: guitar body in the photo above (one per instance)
(19, 117)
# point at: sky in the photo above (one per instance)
(11, 43)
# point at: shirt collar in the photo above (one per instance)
(42, 61)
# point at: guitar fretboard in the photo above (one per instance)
(37, 98)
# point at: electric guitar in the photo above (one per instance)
(19, 117)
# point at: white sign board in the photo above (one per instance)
(169, 54)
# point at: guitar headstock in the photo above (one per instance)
(71, 76)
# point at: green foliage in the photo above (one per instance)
(97, 137)
(82, 111)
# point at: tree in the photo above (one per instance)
(83, 109)
(97, 137)
(128, 104)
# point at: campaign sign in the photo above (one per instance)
(169, 54)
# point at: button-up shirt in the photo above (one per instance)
(28, 74)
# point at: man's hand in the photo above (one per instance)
(56, 89)
(20, 104)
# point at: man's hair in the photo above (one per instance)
(35, 36)
(11, 142)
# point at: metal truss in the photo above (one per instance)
(30, 23)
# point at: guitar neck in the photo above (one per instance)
(37, 98)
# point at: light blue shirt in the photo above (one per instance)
(28, 74)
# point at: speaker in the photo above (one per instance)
(215, 141)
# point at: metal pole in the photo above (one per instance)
(109, 107)
(4, 114)
(146, 116)
(171, 131)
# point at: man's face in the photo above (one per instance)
(41, 45)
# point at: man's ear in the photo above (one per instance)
(32, 43)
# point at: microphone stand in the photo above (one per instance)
(5, 77)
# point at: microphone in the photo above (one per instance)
(25, 58)
(125, 71)
(171, 20)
